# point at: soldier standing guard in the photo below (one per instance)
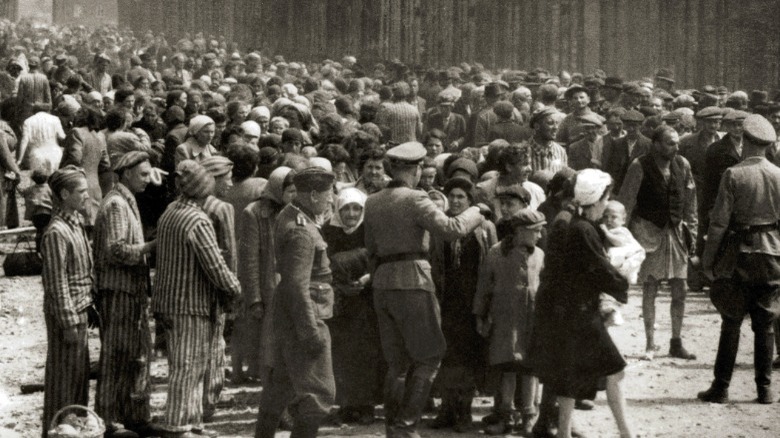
(397, 222)
(301, 372)
(742, 254)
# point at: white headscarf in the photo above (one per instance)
(349, 195)
(589, 186)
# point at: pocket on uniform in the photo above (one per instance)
(322, 297)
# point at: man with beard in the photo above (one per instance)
(660, 198)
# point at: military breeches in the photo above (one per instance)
(123, 389)
(410, 331)
(299, 380)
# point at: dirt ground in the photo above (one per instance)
(661, 394)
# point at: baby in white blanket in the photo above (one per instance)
(625, 254)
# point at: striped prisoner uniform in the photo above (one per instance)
(122, 277)
(223, 219)
(67, 282)
(550, 157)
(191, 279)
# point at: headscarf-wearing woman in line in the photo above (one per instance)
(198, 144)
(571, 350)
(455, 268)
(358, 364)
(257, 275)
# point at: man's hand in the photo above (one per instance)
(71, 335)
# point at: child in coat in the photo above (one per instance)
(504, 306)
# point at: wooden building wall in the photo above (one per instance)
(728, 42)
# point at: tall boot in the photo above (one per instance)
(415, 398)
(464, 422)
(446, 415)
(764, 344)
(266, 425)
(728, 345)
(305, 427)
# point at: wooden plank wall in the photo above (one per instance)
(729, 42)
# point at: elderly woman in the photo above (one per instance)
(455, 267)
(198, 145)
(571, 351)
(257, 274)
(357, 358)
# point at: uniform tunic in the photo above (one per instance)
(67, 283)
(300, 378)
(122, 277)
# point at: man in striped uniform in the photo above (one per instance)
(122, 277)
(67, 282)
(302, 370)
(546, 154)
(192, 280)
(222, 217)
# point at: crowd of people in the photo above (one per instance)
(367, 235)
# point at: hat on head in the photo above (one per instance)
(614, 82)
(101, 57)
(735, 116)
(547, 91)
(591, 119)
(210, 56)
(633, 116)
(292, 134)
(594, 81)
(60, 58)
(407, 153)
(129, 159)
(710, 112)
(314, 179)
(513, 191)
(447, 98)
(528, 219)
(590, 186)
(193, 180)
(63, 176)
(493, 90)
(759, 130)
(68, 106)
(321, 162)
(722, 90)
(665, 74)
(217, 165)
(463, 164)
(541, 114)
(574, 89)
(671, 116)
(250, 127)
(145, 56)
(33, 61)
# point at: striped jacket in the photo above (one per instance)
(550, 157)
(119, 239)
(191, 272)
(223, 218)
(67, 269)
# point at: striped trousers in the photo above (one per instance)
(214, 381)
(66, 379)
(123, 389)
(189, 341)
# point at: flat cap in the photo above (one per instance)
(665, 74)
(314, 179)
(671, 116)
(541, 114)
(411, 152)
(60, 58)
(710, 112)
(759, 130)
(33, 61)
(594, 80)
(129, 160)
(101, 57)
(493, 90)
(145, 56)
(210, 56)
(447, 97)
(513, 191)
(590, 119)
(574, 89)
(528, 219)
(613, 82)
(463, 164)
(633, 116)
(735, 116)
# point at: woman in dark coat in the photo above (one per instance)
(571, 350)
(358, 364)
(455, 268)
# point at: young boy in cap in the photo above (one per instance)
(504, 309)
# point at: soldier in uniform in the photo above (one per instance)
(742, 255)
(397, 222)
(302, 371)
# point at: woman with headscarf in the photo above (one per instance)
(355, 346)
(198, 145)
(257, 274)
(8, 164)
(571, 350)
(455, 266)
